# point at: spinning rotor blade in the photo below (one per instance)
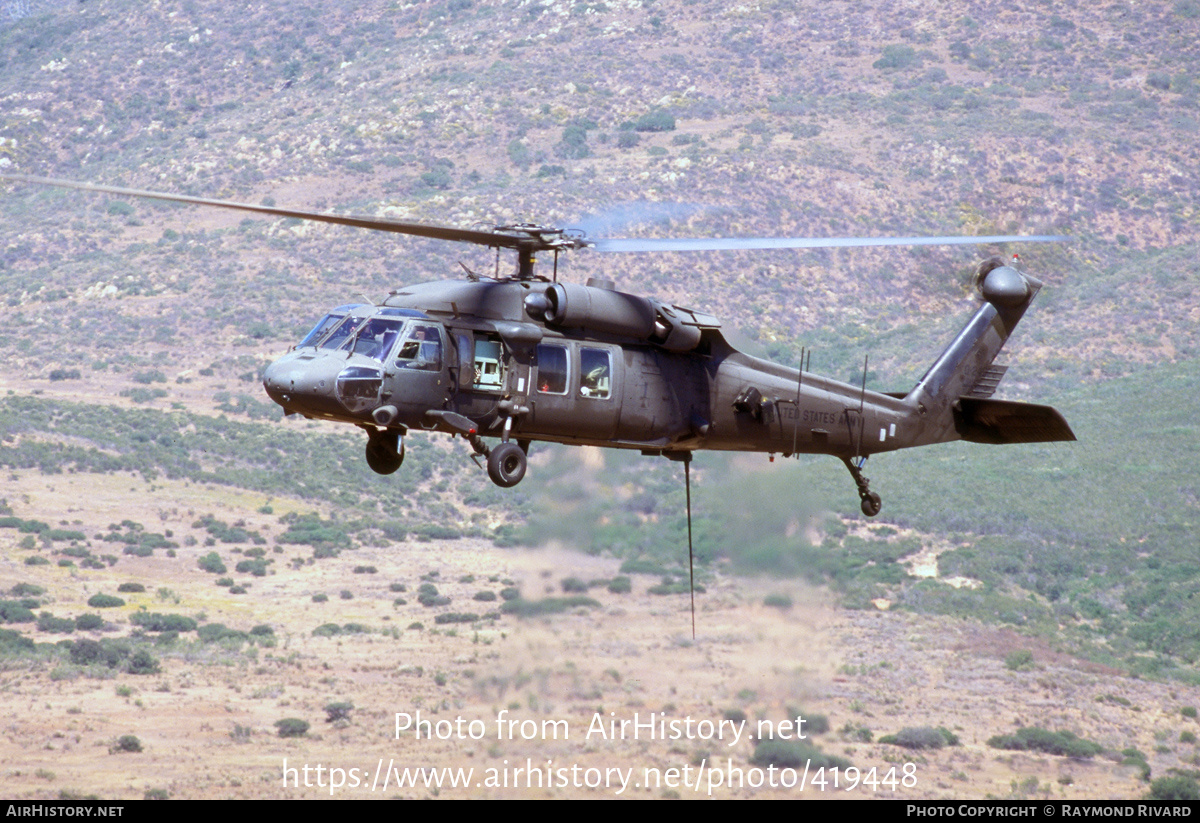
(482, 238)
(736, 243)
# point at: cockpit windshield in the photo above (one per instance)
(327, 322)
(320, 330)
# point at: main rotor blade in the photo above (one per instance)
(736, 243)
(482, 238)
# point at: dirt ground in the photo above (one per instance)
(610, 701)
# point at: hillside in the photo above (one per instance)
(132, 413)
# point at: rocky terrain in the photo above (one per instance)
(135, 441)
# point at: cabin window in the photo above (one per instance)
(552, 369)
(421, 349)
(595, 373)
(489, 369)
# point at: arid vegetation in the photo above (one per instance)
(167, 539)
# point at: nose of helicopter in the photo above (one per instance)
(304, 384)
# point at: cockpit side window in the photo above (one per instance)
(421, 348)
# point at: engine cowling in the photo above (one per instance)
(606, 311)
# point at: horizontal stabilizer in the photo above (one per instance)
(1008, 421)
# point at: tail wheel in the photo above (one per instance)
(385, 452)
(506, 465)
(871, 504)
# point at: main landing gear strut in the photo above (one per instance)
(871, 502)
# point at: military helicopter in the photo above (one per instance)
(522, 357)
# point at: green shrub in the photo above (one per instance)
(484, 596)
(620, 585)
(510, 593)
(1064, 744)
(1019, 660)
(794, 754)
(778, 601)
(456, 617)
(212, 563)
(105, 601)
(320, 597)
(291, 727)
(548, 605)
(1175, 787)
(128, 743)
(257, 567)
(13, 611)
(89, 622)
(132, 588)
(1188, 711)
(655, 121)
(338, 711)
(47, 622)
(574, 585)
(924, 737)
(142, 662)
(154, 622)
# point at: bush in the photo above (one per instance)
(1036, 739)
(128, 743)
(89, 622)
(131, 588)
(291, 727)
(794, 754)
(1019, 660)
(12, 611)
(574, 584)
(154, 622)
(47, 622)
(456, 617)
(620, 585)
(143, 662)
(1174, 787)
(778, 601)
(105, 601)
(484, 596)
(214, 632)
(655, 121)
(338, 711)
(212, 564)
(924, 737)
(548, 605)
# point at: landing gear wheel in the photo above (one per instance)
(871, 502)
(385, 452)
(506, 465)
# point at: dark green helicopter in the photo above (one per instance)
(524, 358)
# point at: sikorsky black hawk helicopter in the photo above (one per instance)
(526, 358)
